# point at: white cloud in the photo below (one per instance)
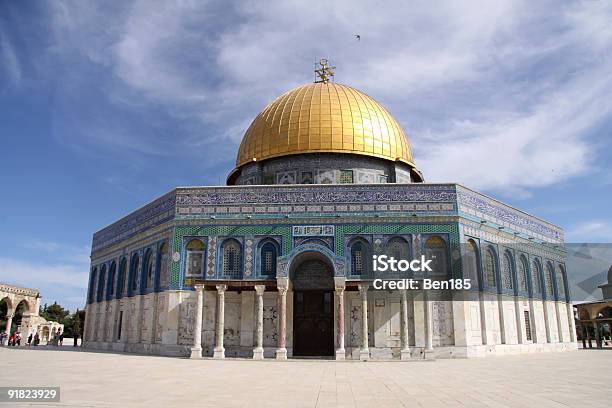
(62, 282)
(10, 63)
(39, 275)
(590, 231)
(60, 271)
(61, 252)
(541, 147)
(497, 95)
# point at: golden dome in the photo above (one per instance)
(324, 117)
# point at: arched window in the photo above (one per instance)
(93, 283)
(522, 274)
(268, 259)
(101, 283)
(435, 249)
(489, 268)
(561, 282)
(232, 259)
(149, 269)
(358, 258)
(471, 261)
(195, 257)
(317, 241)
(549, 278)
(397, 248)
(163, 265)
(112, 275)
(135, 272)
(123, 273)
(536, 277)
(507, 271)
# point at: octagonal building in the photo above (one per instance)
(278, 263)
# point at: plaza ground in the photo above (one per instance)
(571, 379)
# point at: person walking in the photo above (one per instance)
(61, 339)
(36, 339)
(76, 339)
(2, 337)
(18, 338)
(30, 339)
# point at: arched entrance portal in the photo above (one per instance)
(313, 305)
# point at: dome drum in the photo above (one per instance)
(324, 168)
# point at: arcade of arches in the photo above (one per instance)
(315, 312)
(19, 312)
(594, 319)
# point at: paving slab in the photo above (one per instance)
(97, 379)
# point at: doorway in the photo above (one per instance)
(313, 323)
(313, 308)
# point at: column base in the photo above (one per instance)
(219, 353)
(405, 354)
(281, 354)
(340, 354)
(364, 354)
(428, 353)
(258, 354)
(196, 352)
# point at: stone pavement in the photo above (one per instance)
(575, 379)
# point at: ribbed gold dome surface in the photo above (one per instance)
(324, 117)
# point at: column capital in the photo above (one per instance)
(339, 283)
(260, 289)
(199, 287)
(221, 288)
(363, 288)
(282, 282)
(282, 290)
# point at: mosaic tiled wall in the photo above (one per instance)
(285, 231)
(237, 231)
(401, 200)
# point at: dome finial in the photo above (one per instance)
(323, 71)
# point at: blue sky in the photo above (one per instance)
(107, 105)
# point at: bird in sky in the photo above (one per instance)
(358, 37)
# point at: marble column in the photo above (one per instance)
(502, 319)
(9, 322)
(597, 338)
(534, 323)
(116, 309)
(485, 334)
(405, 352)
(258, 351)
(340, 351)
(364, 352)
(281, 351)
(547, 321)
(571, 322)
(428, 323)
(588, 333)
(521, 326)
(559, 326)
(219, 349)
(196, 348)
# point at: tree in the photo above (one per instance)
(55, 313)
(74, 324)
